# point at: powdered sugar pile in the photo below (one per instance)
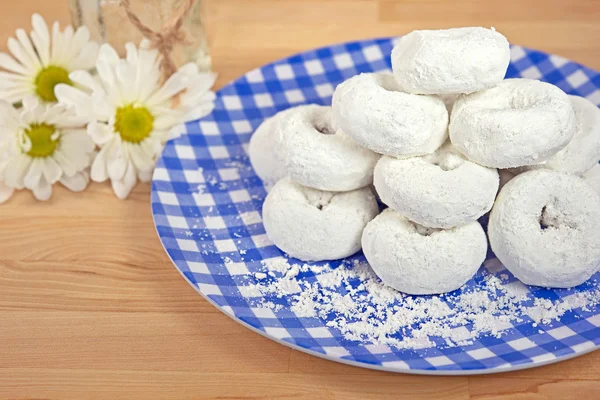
(352, 300)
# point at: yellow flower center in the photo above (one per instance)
(42, 143)
(47, 79)
(134, 124)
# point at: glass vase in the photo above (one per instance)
(108, 22)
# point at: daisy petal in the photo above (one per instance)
(20, 55)
(202, 82)
(67, 50)
(140, 159)
(99, 171)
(151, 147)
(106, 74)
(33, 111)
(9, 117)
(79, 160)
(51, 171)
(145, 176)
(80, 39)
(75, 98)
(57, 44)
(69, 34)
(194, 95)
(4, 163)
(5, 192)
(167, 121)
(86, 79)
(28, 49)
(202, 110)
(189, 69)
(30, 103)
(123, 187)
(34, 174)
(10, 64)
(77, 182)
(148, 74)
(102, 109)
(175, 84)
(15, 171)
(82, 36)
(43, 191)
(117, 167)
(145, 44)
(41, 38)
(14, 95)
(131, 53)
(86, 58)
(109, 54)
(160, 137)
(175, 132)
(9, 79)
(100, 133)
(67, 165)
(126, 76)
(76, 142)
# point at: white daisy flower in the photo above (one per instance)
(132, 114)
(41, 60)
(41, 144)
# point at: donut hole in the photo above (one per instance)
(322, 203)
(552, 218)
(320, 200)
(544, 221)
(322, 124)
(324, 129)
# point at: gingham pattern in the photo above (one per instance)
(206, 202)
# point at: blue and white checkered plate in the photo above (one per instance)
(207, 201)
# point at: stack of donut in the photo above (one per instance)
(436, 139)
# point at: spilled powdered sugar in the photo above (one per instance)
(352, 300)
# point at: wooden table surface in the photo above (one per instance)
(91, 307)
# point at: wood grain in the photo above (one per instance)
(91, 308)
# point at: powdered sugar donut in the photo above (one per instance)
(262, 153)
(418, 260)
(583, 151)
(592, 177)
(315, 155)
(519, 122)
(544, 228)
(458, 60)
(440, 190)
(315, 225)
(371, 110)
